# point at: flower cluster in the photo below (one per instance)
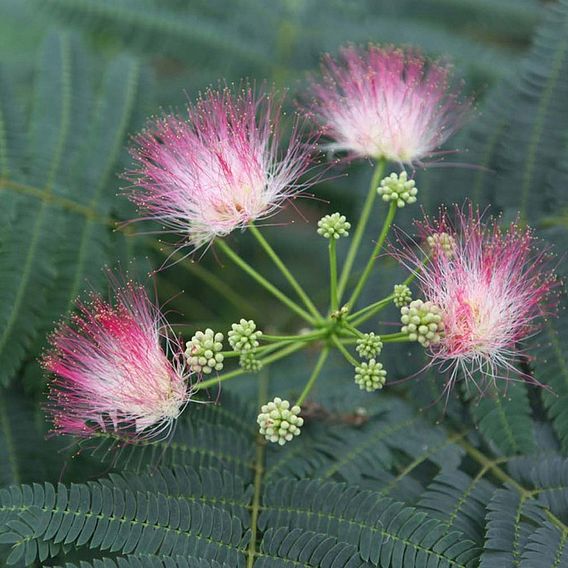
(441, 243)
(278, 422)
(203, 352)
(218, 169)
(481, 289)
(333, 226)
(402, 295)
(399, 189)
(110, 372)
(422, 321)
(384, 102)
(490, 292)
(370, 376)
(369, 346)
(244, 336)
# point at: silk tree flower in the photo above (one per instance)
(218, 169)
(493, 291)
(110, 372)
(385, 102)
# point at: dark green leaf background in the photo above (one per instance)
(397, 479)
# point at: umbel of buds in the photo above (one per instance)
(278, 422)
(422, 321)
(402, 295)
(244, 336)
(369, 346)
(398, 188)
(249, 362)
(442, 243)
(333, 226)
(370, 376)
(203, 352)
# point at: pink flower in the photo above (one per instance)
(219, 169)
(492, 286)
(110, 372)
(388, 103)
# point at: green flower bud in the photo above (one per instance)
(370, 376)
(422, 321)
(402, 295)
(369, 346)
(203, 352)
(333, 226)
(442, 243)
(398, 188)
(279, 423)
(249, 362)
(243, 336)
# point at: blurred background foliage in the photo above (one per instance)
(78, 77)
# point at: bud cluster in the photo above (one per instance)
(402, 295)
(369, 346)
(278, 422)
(398, 188)
(333, 226)
(249, 362)
(422, 321)
(370, 376)
(443, 243)
(243, 336)
(203, 352)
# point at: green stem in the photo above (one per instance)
(264, 349)
(360, 230)
(313, 377)
(288, 350)
(363, 315)
(373, 258)
(284, 270)
(395, 338)
(344, 351)
(228, 354)
(353, 329)
(389, 338)
(263, 281)
(212, 280)
(333, 274)
(301, 337)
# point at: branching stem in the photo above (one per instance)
(313, 377)
(285, 271)
(264, 282)
(373, 258)
(361, 225)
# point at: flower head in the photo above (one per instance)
(204, 352)
(333, 226)
(491, 292)
(402, 295)
(370, 376)
(384, 102)
(244, 336)
(398, 188)
(218, 169)
(278, 422)
(369, 346)
(110, 371)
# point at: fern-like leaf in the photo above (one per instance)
(386, 533)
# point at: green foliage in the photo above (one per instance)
(59, 185)
(399, 478)
(503, 416)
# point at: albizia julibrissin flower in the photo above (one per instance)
(110, 372)
(218, 169)
(385, 102)
(493, 289)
